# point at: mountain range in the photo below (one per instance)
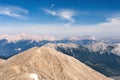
(100, 54)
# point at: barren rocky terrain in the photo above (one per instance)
(46, 64)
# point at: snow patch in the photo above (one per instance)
(18, 49)
(34, 76)
(116, 50)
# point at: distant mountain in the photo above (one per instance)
(24, 36)
(46, 64)
(102, 48)
(8, 49)
(11, 45)
(100, 56)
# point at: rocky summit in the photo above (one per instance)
(46, 64)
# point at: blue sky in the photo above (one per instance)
(61, 17)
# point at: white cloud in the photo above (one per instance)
(111, 28)
(67, 14)
(50, 12)
(52, 5)
(13, 11)
(64, 14)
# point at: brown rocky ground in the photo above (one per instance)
(46, 64)
(1, 60)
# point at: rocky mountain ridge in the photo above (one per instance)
(46, 64)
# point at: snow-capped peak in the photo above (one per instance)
(24, 36)
(102, 47)
(98, 47)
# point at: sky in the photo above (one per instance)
(61, 17)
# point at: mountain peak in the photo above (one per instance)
(48, 64)
(25, 36)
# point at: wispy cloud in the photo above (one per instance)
(13, 11)
(110, 28)
(64, 14)
(54, 13)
